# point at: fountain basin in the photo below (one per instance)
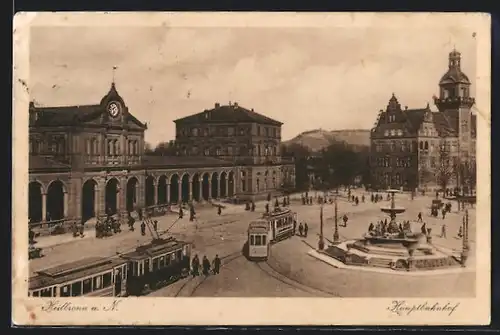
(395, 210)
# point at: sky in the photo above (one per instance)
(309, 78)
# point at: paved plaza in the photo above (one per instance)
(290, 271)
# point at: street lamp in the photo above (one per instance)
(465, 238)
(321, 243)
(336, 232)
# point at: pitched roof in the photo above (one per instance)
(228, 113)
(64, 115)
(182, 161)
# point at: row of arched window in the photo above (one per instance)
(55, 146)
(230, 151)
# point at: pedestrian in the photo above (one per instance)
(253, 206)
(31, 236)
(345, 220)
(306, 229)
(294, 226)
(192, 213)
(276, 203)
(363, 198)
(443, 231)
(219, 210)
(371, 227)
(267, 208)
(269, 197)
(75, 229)
(419, 218)
(143, 228)
(195, 264)
(423, 229)
(206, 266)
(181, 213)
(284, 202)
(301, 229)
(216, 265)
(372, 198)
(460, 233)
(82, 226)
(357, 201)
(444, 213)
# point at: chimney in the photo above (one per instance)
(217, 105)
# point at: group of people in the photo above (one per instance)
(206, 265)
(303, 228)
(106, 228)
(381, 228)
(250, 206)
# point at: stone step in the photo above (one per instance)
(380, 262)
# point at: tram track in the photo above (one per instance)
(270, 271)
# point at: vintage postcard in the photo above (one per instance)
(251, 169)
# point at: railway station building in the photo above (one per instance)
(86, 161)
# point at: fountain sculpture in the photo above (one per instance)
(392, 245)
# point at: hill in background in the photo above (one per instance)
(318, 139)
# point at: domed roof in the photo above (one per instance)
(454, 73)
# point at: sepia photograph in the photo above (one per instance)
(282, 164)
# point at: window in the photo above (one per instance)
(46, 292)
(65, 291)
(195, 132)
(106, 280)
(218, 151)
(230, 131)
(258, 130)
(173, 257)
(76, 289)
(36, 294)
(87, 285)
(206, 152)
(258, 185)
(155, 263)
(258, 240)
(97, 283)
(178, 254)
(252, 240)
(205, 132)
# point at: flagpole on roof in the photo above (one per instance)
(114, 70)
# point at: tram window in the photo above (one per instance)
(155, 263)
(252, 241)
(97, 283)
(46, 292)
(66, 291)
(179, 254)
(257, 240)
(76, 289)
(162, 262)
(36, 293)
(263, 239)
(106, 280)
(87, 285)
(167, 260)
(173, 256)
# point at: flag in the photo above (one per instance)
(115, 67)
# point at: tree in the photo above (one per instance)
(301, 155)
(445, 170)
(161, 149)
(465, 171)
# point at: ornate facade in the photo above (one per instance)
(85, 161)
(419, 148)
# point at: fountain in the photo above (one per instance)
(393, 245)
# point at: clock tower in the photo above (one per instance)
(455, 102)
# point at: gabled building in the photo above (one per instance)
(414, 148)
(89, 160)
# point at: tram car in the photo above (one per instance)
(258, 244)
(157, 264)
(88, 277)
(281, 224)
(149, 267)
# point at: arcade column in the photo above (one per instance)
(200, 188)
(167, 194)
(65, 204)
(209, 188)
(44, 206)
(190, 191)
(226, 186)
(179, 187)
(155, 200)
(96, 201)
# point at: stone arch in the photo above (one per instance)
(162, 189)
(215, 185)
(111, 196)
(132, 187)
(230, 184)
(149, 191)
(426, 145)
(89, 198)
(55, 200)
(205, 186)
(196, 187)
(185, 187)
(174, 188)
(35, 202)
(223, 184)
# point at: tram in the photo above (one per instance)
(258, 240)
(281, 224)
(151, 266)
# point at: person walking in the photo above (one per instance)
(219, 210)
(301, 229)
(306, 229)
(419, 217)
(345, 219)
(216, 265)
(206, 266)
(443, 231)
(181, 213)
(195, 264)
(143, 228)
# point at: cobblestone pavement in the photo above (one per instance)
(290, 271)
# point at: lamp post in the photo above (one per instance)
(321, 243)
(465, 238)
(336, 232)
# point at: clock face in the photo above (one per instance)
(113, 109)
